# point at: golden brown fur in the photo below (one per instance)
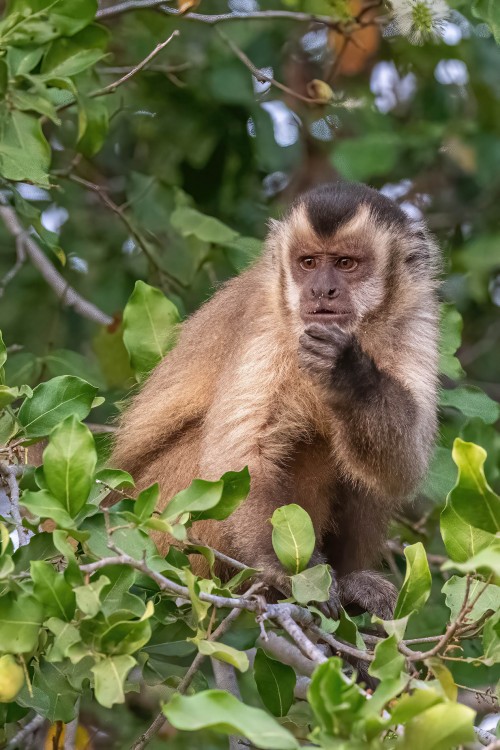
(234, 392)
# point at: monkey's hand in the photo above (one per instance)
(320, 347)
(367, 591)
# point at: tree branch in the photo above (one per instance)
(10, 473)
(18, 741)
(262, 77)
(68, 296)
(213, 20)
(111, 87)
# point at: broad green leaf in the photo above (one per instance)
(45, 505)
(411, 705)
(93, 125)
(66, 635)
(461, 540)
(489, 12)
(224, 653)
(312, 584)
(69, 462)
(146, 502)
(52, 591)
(23, 60)
(109, 677)
(88, 596)
(389, 662)
(195, 586)
(222, 712)
(67, 362)
(336, 702)
(293, 537)
(70, 56)
(275, 683)
(234, 492)
(8, 395)
(485, 561)
(472, 497)
(20, 622)
(149, 326)
(491, 640)
(24, 151)
(64, 18)
(444, 676)
(472, 402)
(450, 340)
(454, 590)
(417, 584)
(106, 479)
(52, 402)
(51, 694)
(441, 727)
(188, 221)
(199, 496)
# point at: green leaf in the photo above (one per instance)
(491, 640)
(106, 478)
(336, 702)
(53, 401)
(199, 496)
(444, 676)
(88, 597)
(454, 590)
(24, 151)
(93, 125)
(485, 561)
(149, 326)
(64, 18)
(66, 636)
(68, 57)
(234, 492)
(293, 537)
(450, 339)
(45, 505)
(224, 653)
(146, 502)
(69, 462)
(109, 677)
(472, 497)
(52, 590)
(388, 662)
(188, 221)
(472, 402)
(461, 540)
(417, 584)
(441, 727)
(312, 584)
(20, 621)
(275, 683)
(67, 362)
(222, 712)
(489, 12)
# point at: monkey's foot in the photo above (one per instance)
(367, 591)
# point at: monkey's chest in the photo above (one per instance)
(313, 477)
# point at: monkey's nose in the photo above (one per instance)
(332, 293)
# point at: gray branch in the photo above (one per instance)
(68, 296)
(10, 473)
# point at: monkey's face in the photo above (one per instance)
(332, 280)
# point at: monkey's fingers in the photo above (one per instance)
(367, 591)
(333, 334)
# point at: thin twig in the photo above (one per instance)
(122, 215)
(111, 87)
(10, 473)
(263, 77)
(66, 293)
(219, 555)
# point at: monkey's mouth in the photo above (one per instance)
(323, 315)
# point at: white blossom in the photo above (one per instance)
(420, 20)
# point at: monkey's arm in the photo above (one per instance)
(384, 435)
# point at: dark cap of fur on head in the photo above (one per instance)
(333, 204)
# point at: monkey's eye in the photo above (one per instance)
(347, 264)
(308, 264)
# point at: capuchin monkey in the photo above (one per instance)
(317, 369)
